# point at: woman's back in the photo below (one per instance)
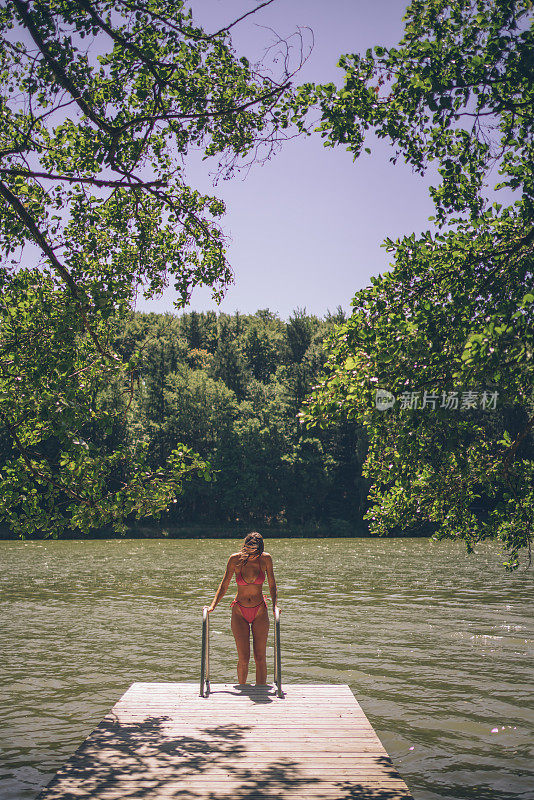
(250, 573)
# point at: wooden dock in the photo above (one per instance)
(161, 740)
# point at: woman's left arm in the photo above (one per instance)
(270, 579)
(225, 583)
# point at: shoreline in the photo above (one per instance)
(335, 530)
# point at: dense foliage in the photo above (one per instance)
(228, 388)
(106, 416)
(101, 102)
(455, 314)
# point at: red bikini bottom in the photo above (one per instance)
(250, 613)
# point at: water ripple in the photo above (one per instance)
(435, 645)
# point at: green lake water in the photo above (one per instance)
(436, 645)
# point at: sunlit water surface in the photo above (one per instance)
(436, 646)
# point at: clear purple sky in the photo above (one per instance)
(305, 228)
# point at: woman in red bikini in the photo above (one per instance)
(249, 609)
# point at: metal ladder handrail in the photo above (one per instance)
(205, 654)
(277, 653)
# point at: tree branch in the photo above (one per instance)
(204, 114)
(61, 76)
(35, 472)
(242, 17)
(113, 34)
(39, 237)
(77, 179)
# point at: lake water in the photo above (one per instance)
(436, 645)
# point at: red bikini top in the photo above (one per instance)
(242, 582)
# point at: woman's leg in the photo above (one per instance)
(260, 629)
(241, 631)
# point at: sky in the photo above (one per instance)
(304, 229)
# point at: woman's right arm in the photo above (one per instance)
(221, 591)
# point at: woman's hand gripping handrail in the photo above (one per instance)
(205, 655)
(277, 653)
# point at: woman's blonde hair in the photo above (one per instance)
(252, 546)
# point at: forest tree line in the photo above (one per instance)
(230, 387)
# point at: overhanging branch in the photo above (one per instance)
(26, 218)
(78, 179)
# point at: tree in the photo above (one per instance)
(455, 313)
(260, 352)
(101, 102)
(457, 91)
(228, 362)
(192, 324)
(309, 480)
(299, 333)
(73, 463)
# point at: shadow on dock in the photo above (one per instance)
(143, 759)
(256, 694)
(122, 760)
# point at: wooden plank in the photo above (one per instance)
(366, 763)
(217, 792)
(243, 717)
(280, 771)
(252, 731)
(212, 732)
(313, 750)
(227, 706)
(241, 690)
(296, 721)
(244, 714)
(183, 787)
(163, 741)
(319, 726)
